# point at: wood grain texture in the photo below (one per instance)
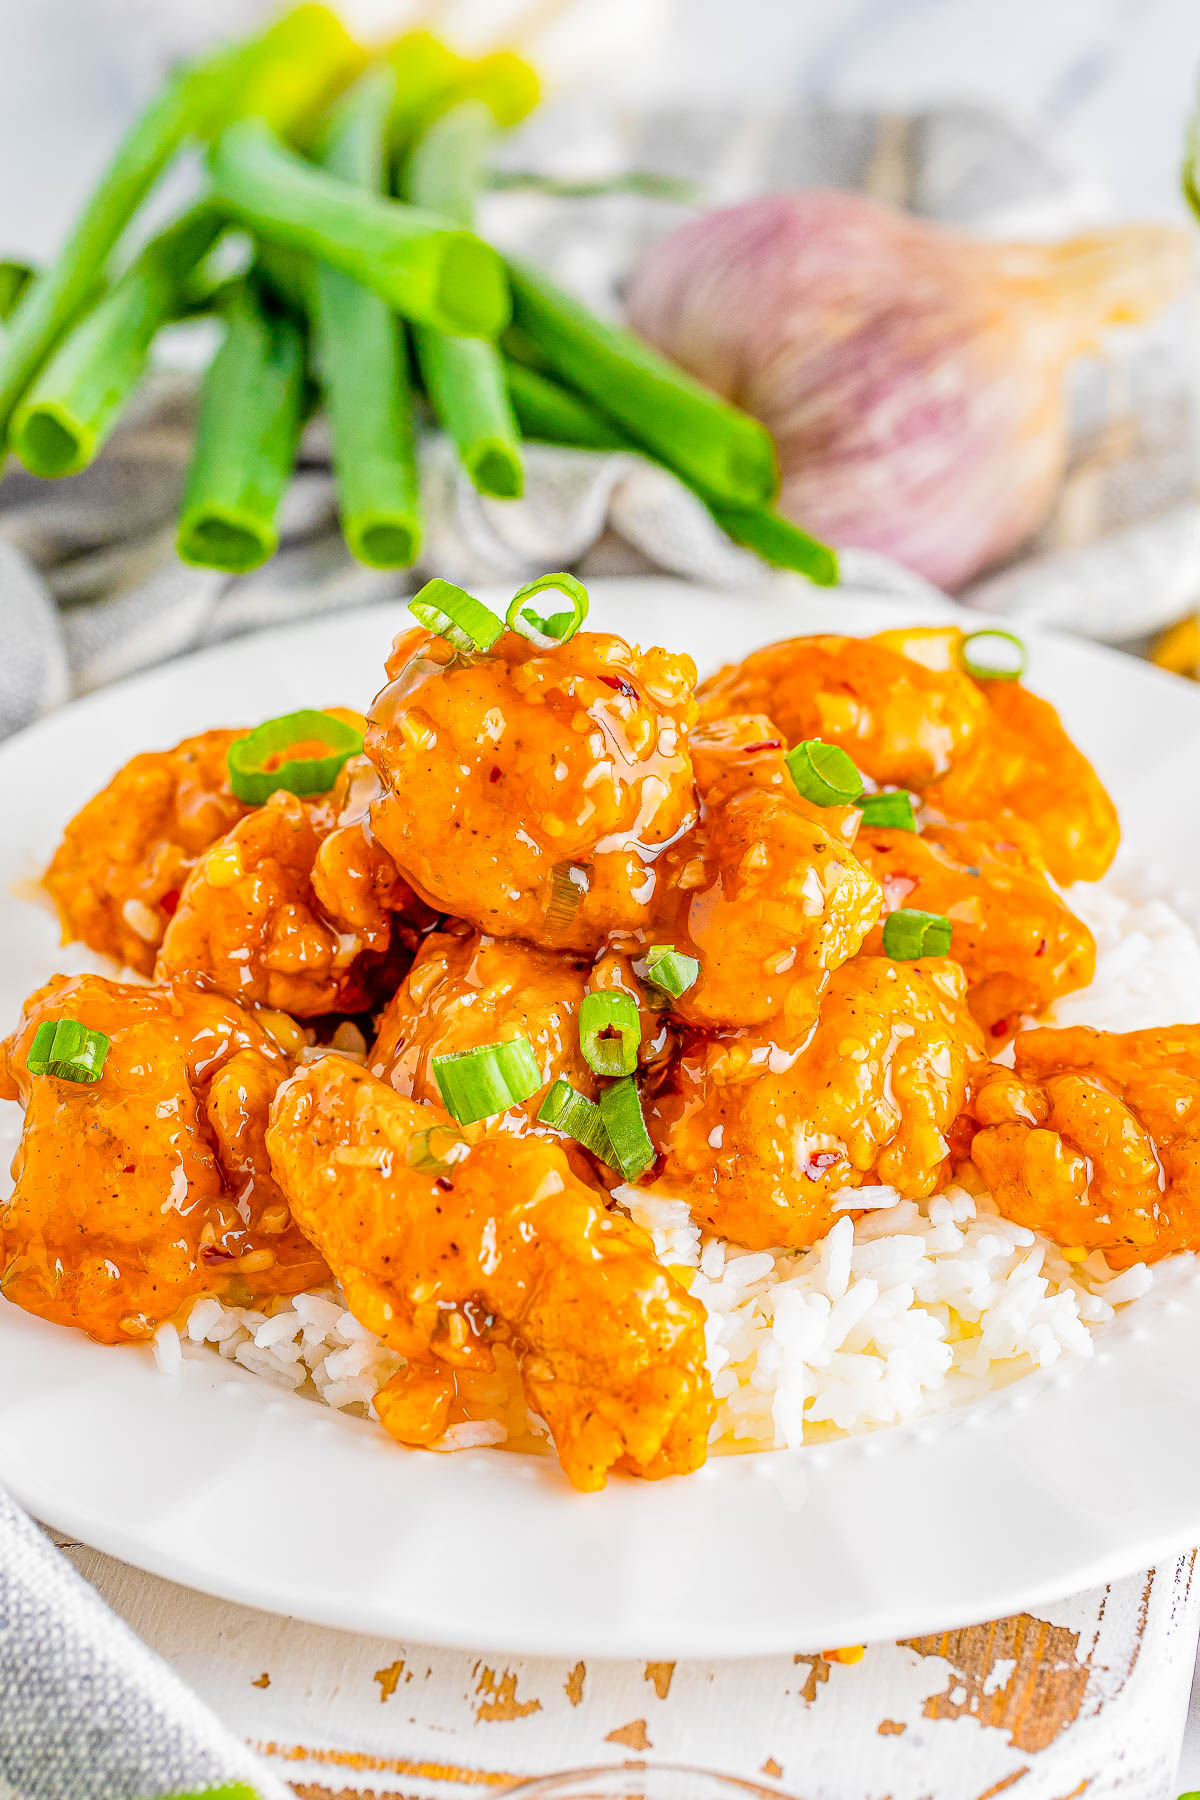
(1085, 1697)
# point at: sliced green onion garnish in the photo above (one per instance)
(569, 882)
(259, 767)
(610, 1032)
(68, 1050)
(572, 1113)
(477, 1084)
(893, 809)
(621, 1110)
(823, 773)
(433, 1150)
(908, 934)
(994, 655)
(456, 615)
(671, 970)
(557, 627)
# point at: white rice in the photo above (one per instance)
(911, 1308)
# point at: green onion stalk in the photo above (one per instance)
(554, 414)
(279, 73)
(79, 395)
(362, 359)
(464, 377)
(725, 453)
(422, 265)
(251, 413)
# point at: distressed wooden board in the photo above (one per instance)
(1090, 1697)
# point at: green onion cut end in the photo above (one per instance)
(383, 543)
(908, 934)
(566, 1110)
(610, 1032)
(258, 766)
(456, 615)
(670, 970)
(67, 1050)
(478, 1084)
(555, 628)
(823, 773)
(893, 809)
(621, 1110)
(994, 655)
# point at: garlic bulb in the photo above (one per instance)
(913, 379)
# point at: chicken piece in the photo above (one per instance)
(1094, 1139)
(765, 892)
(901, 721)
(152, 1185)
(760, 1141)
(464, 990)
(529, 792)
(119, 871)
(1018, 942)
(501, 1245)
(284, 915)
(1024, 763)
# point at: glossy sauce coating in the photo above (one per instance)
(139, 1191)
(117, 876)
(1094, 1139)
(765, 892)
(502, 1245)
(760, 1141)
(263, 916)
(902, 722)
(530, 792)
(1018, 942)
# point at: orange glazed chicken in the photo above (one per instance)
(761, 1141)
(1094, 1139)
(666, 1005)
(531, 791)
(501, 1244)
(137, 1191)
(117, 876)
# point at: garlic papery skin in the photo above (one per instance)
(913, 379)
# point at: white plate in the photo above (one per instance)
(217, 1480)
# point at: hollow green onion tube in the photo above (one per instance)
(420, 264)
(551, 413)
(722, 451)
(778, 541)
(251, 412)
(464, 377)
(193, 102)
(75, 401)
(362, 359)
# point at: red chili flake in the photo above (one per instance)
(1000, 1028)
(767, 744)
(212, 1253)
(170, 901)
(446, 1186)
(619, 686)
(820, 1161)
(129, 1168)
(496, 773)
(1041, 949)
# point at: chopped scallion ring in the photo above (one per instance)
(565, 1109)
(456, 615)
(621, 1110)
(67, 1050)
(1004, 656)
(301, 751)
(671, 970)
(433, 1150)
(557, 627)
(893, 809)
(610, 1032)
(908, 934)
(823, 773)
(477, 1084)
